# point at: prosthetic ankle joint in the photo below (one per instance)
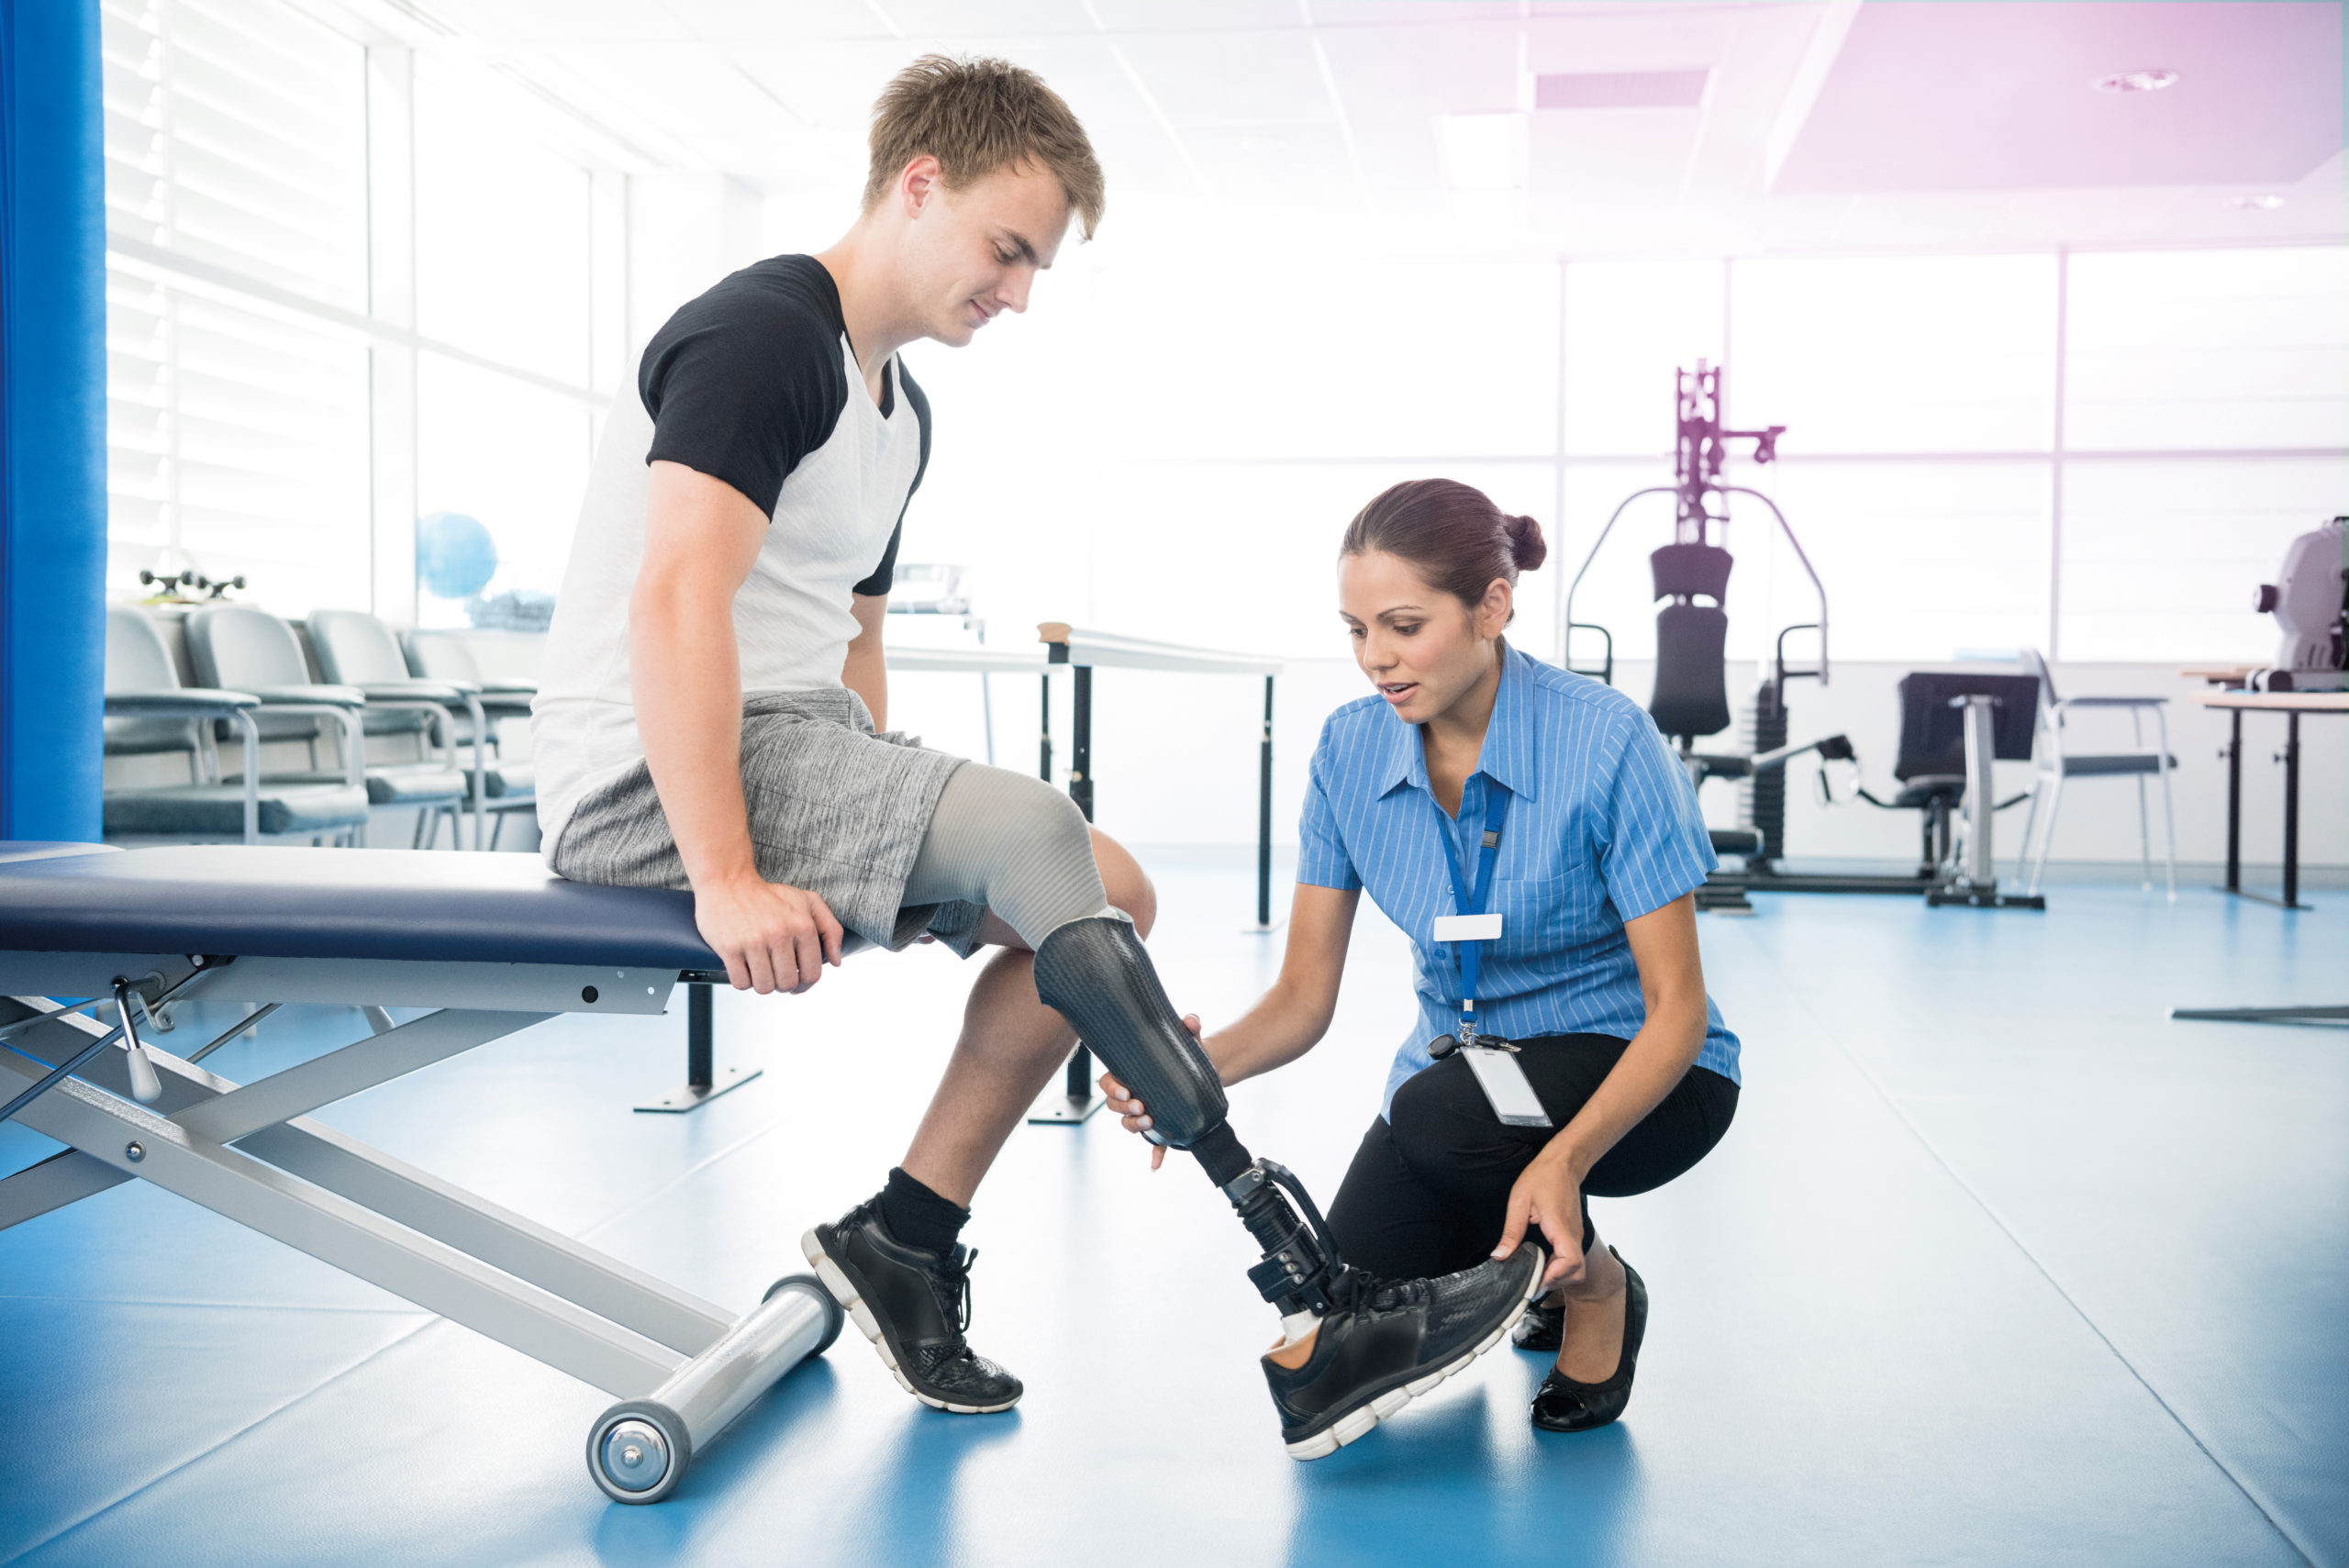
(1301, 1266)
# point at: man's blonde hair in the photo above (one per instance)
(977, 117)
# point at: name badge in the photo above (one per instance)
(1467, 927)
(1506, 1089)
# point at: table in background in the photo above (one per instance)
(1083, 652)
(2292, 704)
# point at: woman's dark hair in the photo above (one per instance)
(1452, 532)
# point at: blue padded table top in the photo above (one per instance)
(278, 902)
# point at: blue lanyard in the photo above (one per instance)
(1496, 799)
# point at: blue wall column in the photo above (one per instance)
(53, 420)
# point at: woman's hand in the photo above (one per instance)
(1549, 1195)
(1131, 1111)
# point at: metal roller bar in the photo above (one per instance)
(639, 1450)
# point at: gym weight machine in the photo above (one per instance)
(1691, 700)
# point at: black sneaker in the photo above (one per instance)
(1393, 1340)
(914, 1305)
(1542, 1328)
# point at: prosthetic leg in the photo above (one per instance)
(1095, 973)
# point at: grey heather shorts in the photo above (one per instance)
(834, 808)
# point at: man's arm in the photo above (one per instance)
(865, 671)
(701, 537)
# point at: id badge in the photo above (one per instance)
(1506, 1089)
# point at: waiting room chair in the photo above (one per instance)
(448, 656)
(247, 649)
(356, 649)
(149, 712)
(2054, 762)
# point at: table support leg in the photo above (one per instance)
(1265, 817)
(2234, 801)
(1076, 1099)
(703, 1082)
(2292, 810)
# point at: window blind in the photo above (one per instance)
(237, 432)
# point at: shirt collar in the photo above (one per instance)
(1507, 755)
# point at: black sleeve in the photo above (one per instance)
(743, 383)
(885, 574)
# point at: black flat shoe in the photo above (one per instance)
(1562, 1404)
(1543, 1328)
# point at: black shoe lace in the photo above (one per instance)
(955, 1274)
(1366, 1291)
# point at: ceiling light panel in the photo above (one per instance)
(1621, 90)
(1409, 73)
(969, 18)
(764, 20)
(1265, 78)
(1482, 152)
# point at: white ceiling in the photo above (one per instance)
(1826, 125)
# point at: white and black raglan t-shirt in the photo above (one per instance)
(755, 384)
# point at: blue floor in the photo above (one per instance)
(1999, 1265)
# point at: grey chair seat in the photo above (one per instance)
(219, 810)
(425, 784)
(510, 781)
(2114, 765)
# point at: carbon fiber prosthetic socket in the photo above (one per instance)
(1095, 973)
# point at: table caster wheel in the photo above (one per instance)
(638, 1451)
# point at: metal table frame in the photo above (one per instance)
(684, 1367)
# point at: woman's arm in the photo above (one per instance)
(1291, 1017)
(1672, 981)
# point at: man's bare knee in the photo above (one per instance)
(1128, 886)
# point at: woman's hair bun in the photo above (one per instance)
(1526, 546)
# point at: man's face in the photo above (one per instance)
(975, 253)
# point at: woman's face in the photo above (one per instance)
(1420, 646)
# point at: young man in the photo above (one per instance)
(712, 709)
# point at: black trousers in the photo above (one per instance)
(1428, 1192)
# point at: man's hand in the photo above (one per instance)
(773, 938)
(1134, 1114)
(1547, 1196)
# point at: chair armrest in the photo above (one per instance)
(311, 697)
(2113, 702)
(178, 702)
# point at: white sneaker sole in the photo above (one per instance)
(1357, 1423)
(870, 1326)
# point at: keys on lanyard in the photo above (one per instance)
(1472, 928)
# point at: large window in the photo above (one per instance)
(236, 196)
(342, 292)
(504, 248)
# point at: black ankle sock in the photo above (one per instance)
(918, 1217)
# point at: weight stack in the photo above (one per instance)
(1761, 797)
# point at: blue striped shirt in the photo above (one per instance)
(1603, 828)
